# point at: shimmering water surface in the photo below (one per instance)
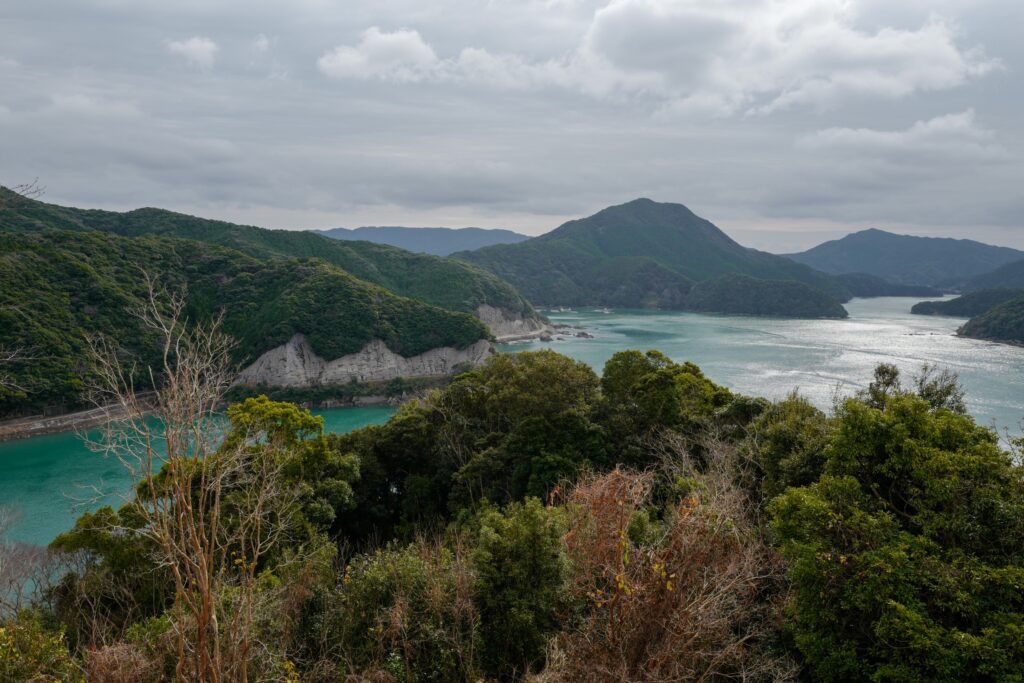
(46, 479)
(771, 357)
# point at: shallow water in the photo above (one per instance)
(48, 481)
(821, 358)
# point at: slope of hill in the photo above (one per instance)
(743, 295)
(642, 253)
(436, 241)
(57, 287)
(968, 305)
(1004, 323)
(906, 259)
(450, 284)
(1009, 276)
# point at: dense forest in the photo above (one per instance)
(650, 254)
(968, 305)
(58, 289)
(1003, 323)
(449, 284)
(744, 295)
(535, 521)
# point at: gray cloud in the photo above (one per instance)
(783, 122)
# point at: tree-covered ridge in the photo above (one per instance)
(968, 305)
(645, 253)
(1009, 276)
(536, 519)
(57, 288)
(453, 285)
(437, 241)
(1004, 323)
(743, 295)
(908, 259)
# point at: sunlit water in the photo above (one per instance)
(50, 480)
(821, 358)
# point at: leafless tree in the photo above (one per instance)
(211, 513)
(32, 190)
(26, 571)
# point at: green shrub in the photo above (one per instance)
(31, 652)
(520, 586)
(907, 556)
(408, 611)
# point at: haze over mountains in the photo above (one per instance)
(912, 260)
(436, 241)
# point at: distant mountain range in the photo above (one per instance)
(649, 254)
(907, 259)
(436, 241)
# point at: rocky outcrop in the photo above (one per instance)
(296, 364)
(508, 326)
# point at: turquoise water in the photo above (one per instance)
(821, 358)
(48, 481)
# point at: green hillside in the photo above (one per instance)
(743, 295)
(642, 253)
(442, 282)
(57, 287)
(1009, 276)
(1004, 323)
(908, 259)
(968, 305)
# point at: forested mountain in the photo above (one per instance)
(437, 241)
(1009, 276)
(907, 259)
(643, 253)
(1004, 323)
(442, 282)
(58, 287)
(743, 295)
(968, 305)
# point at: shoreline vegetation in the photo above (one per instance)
(351, 395)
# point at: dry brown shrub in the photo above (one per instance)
(692, 598)
(120, 663)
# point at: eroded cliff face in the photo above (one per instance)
(507, 326)
(296, 364)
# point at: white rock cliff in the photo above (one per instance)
(506, 326)
(296, 364)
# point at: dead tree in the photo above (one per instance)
(210, 513)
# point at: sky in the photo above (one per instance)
(784, 122)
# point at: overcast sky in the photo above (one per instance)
(785, 122)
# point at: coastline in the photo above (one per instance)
(39, 425)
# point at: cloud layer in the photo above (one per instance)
(785, 121)
(717, 56)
